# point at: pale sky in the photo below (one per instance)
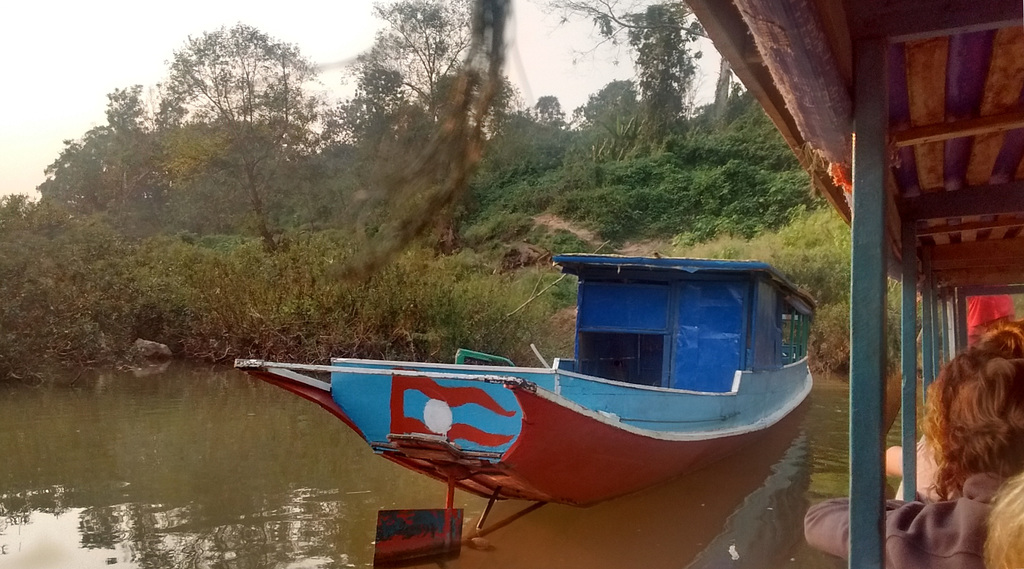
(61, 58)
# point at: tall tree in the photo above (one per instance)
(615, 103)
(661, 37)
(548, 110)
(113, 168)
(248, 89)
(373, 113)
(613, 118)
(423, 42)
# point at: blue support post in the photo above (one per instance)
(867, 307)
(961, 320)
(927, 322)
(944, 303)
(908, 355)
(937, 322)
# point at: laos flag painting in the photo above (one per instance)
(475, 415)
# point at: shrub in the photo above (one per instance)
(82, 295)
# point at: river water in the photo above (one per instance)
(206, 468)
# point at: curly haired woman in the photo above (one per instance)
(1005, 339)
(975, 423)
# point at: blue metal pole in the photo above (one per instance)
(937, 325)
(867, 307)
(927, 318)
(908, 354)
(961, 319)
(945, 327)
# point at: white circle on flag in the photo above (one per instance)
(438, 416)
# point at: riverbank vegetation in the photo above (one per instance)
(222, 212)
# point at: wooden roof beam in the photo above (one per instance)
(995, 199)
(1001, 276)
(968, 127)
(947, 229)
(903, 20)
(990, 290)
(993, 253)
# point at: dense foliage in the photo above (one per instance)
(734, 177)
(80, 293)
(216, 212)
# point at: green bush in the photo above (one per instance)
(81, 294)
(714, 179)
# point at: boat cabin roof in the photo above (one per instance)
(673, 269)
(687, 324)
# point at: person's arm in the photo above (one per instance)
(894, 461)
(827, 527)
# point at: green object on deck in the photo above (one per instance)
(464, 356)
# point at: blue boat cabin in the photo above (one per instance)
(684, 323)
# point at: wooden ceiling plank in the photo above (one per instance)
(968, 234)
(1005, 73)
(901, 20)
(983, 158)
(929, 159)
(926, 95)
(974, 200)
(1000, 232)
(926, 80)
(1000, 101)
(940, 131)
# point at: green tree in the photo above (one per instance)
(113, 168)
(616, 102)
(423, 42)
(247, 88)
(660, 36)
(611, 119)
(548, 110)
(76, 178)
(373, 112)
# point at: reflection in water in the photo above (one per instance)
(767, 524)
(209, 469)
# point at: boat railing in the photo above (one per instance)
(243, 364)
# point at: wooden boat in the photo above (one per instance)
(678, 363)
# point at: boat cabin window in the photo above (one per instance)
(635, 358)
(795, 329)
(781, 329)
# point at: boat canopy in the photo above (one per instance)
(684, 323)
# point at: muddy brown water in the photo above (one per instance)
(206, 468)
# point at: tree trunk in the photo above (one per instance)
(447, 236)
(722, 88)
(262, 227)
